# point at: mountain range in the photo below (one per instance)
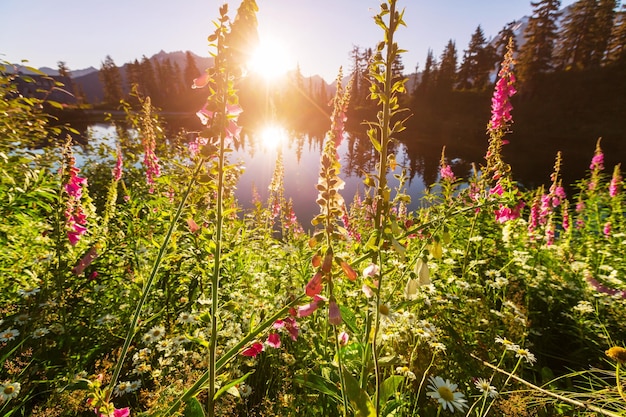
(88, 82)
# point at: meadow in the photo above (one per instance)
(137, 285)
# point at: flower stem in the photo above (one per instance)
(155, 269)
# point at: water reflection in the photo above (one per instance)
(418, 154)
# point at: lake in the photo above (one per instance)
(301, 157)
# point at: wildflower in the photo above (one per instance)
(584, 307)
(86, 260)
(410, 290)
(253, 350)
(445, 172)
(154, 335)
(371, 271)
(273, 340)
(134, 385)
(122, 388)
(445, 393)
(485, 387)
(607, 229)
(308, 309)
(117, 171)
(406, 372)
(8, 335)
(9, 391)
(422, 272)
(245, 390)
(314, 286)
(524, 353)
(501, 101)
(334, 315)
(232, 112)
(507, 343)
(186, 318)
(597, 162)
(41, 332)
(28, 292)
(617, 353)
(74, 213)
(616, 181)
(343, 338)
(348, 271)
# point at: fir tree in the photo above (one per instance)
(576, 45)
(447, 68)
(536, 54)
(478, 61)
(428, 76)
(191, 69)
(605, 18)
(616, 53)
(112, 81)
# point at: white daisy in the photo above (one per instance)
(524, 353)
(9, 390)
(9, 334)
(445, 393)
(28, 292)
(134, 386)
(41, 332)
(122, 388)
(485, 387)
(186, 318)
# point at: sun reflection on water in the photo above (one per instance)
(273, 136)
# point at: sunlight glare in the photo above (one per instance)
(271, 59)
(273, 136)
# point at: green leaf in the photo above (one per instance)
(320, 384)
(390, 386)
(193, 408)
(359, 400)
(230, 385)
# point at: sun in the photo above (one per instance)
(271, 59)
(273, 135)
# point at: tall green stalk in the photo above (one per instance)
(153, 273)
(385, 90)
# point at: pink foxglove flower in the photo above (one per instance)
(607, 229)
(616, 181)
(85, 261)
(75, 216)
(597, 162)
(501, 101)
(273, 340)
(334, 315)
(253, 350)
(117, 171)
(314, 286)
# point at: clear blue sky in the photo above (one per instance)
(318, 34)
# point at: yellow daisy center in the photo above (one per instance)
(445, 393)
(384, 310)
(9, 389)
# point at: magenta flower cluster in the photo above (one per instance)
(501, 101)
(75, 216)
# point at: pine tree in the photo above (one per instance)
(148, 79)
(112, 81)
(605, 18)
(502, 39)
(428, 75)
(64, 71)
(616, 53)
(536, 54)
(576, 46)
(447, 68)
(191, 69)
(478, 60)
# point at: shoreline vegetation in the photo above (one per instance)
(136, 284)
